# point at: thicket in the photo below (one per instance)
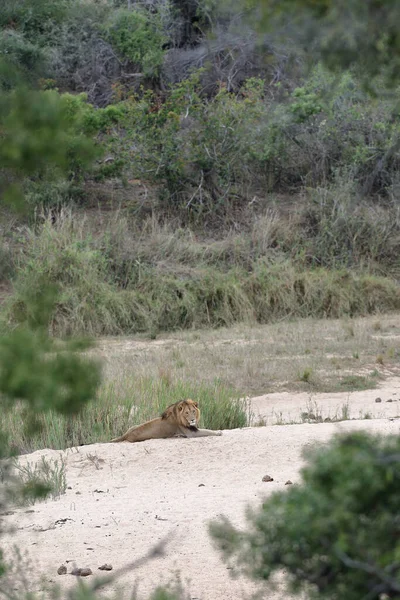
(211, 141)
(210, 154)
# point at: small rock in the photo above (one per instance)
(81, 572)
(202, 485)
(378, 399)
(390, 400)
(62, 569)
(289, 482)
(105, 567)
(267, 478)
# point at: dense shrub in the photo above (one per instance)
(19, 59)
(201, 151)
(210, 154)
(51, 136)
(32, 17)
(137, 36)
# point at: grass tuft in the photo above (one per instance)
(41, 479)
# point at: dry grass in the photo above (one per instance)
(151, 279)
(335, 355)
(217, 368)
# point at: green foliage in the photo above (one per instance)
(137, 36)
(306, 105)
(208, 153)
(40, 132)
(202, 152)
(44, 136)
(329, 128)
(63, 381)
(26, 28)
(337, 533)
(344, 33)
(19, 59)
(32, 17)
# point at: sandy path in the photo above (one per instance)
(287, 407)
(123, 498)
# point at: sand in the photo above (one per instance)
(122, 499)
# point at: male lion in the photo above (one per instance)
(179, 419)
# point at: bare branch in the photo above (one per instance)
(392, 584)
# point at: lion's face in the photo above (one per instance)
(189, 413)
(185, 413)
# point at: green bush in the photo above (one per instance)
(202, 152)
(19, 58)
(44, 136)
(42, 130)
(137, 36)
(32, 17)
(336, 535)
(331, 125)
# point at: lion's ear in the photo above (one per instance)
(196, 404)
(180, 407)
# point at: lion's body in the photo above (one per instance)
(179, 419)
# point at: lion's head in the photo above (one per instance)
(185, 413)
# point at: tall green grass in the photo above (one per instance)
(124, 402)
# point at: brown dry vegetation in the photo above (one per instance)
(119, 275)
(341, 354)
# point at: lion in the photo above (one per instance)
(179, 419)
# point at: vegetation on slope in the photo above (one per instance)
(223, 142)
